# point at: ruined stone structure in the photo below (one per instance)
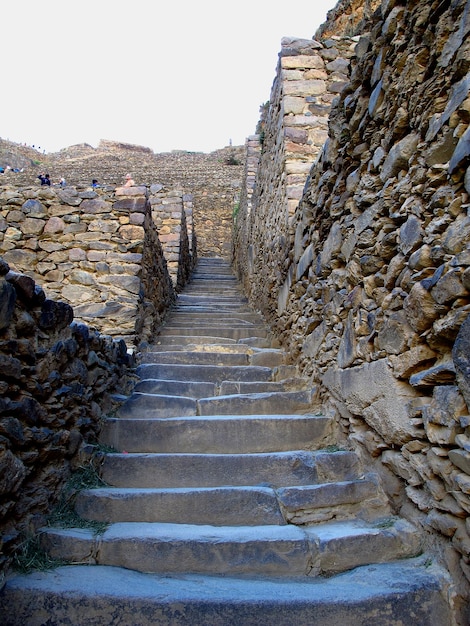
(106, 252)
(351, 238)
(367, 280)
(85, 279)
(213, 180)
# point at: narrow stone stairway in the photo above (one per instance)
(228, 501)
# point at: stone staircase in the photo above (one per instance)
(227, 499)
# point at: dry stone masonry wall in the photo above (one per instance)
(57, 378)
(108, 252)
(293, 131)
(172, 214)
(368, 283)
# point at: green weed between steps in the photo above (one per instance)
(30, 556)
(64, 515)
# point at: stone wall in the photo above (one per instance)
(367, 284)
(57, 379)
(100, 250)
(294, 128)
(172, 214)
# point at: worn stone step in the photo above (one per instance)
(265, 550)
(185, 388)
(291, 384)
(215, 300)
(213, 309)
(140, 405)
(210, 305)
(236, 506)
(362, 498)
(184, 342)
(227, 322)
(236, 332)
(233, 347)
(204, 373)
(189, 340)
(277, 469)
(256, 403)
(197, 357)
(214, 288)
(242, 316)
(219, 357)
(191, 389)
(217, 506)
(145, 405)
(411, 592)
(219, 434)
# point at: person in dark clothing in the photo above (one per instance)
(45, 179)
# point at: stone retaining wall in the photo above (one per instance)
(57, 379)
(294, 129)
(101, 251)
(172, 214)
(367, 282)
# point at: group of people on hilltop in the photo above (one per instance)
(46, 180)
(8, 168)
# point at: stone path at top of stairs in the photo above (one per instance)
(227, 501)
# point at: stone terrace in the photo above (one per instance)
(210, 178)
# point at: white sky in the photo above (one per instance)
(166, 74)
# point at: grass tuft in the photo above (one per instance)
(30, 556)
(64, 515)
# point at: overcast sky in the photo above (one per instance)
(170, 75)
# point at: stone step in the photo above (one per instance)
(209, 289)
(217, 506)
(256, 403)
(206, 277)
(196, 390)
(146, 405)
(196, 357)
(213, 307)
(234, 347)
(204, 373)
(196, 314)
(185, 388)
(292, 384)
(265, 550)
(140, 405)
(220, 357)
(221, 322)
(209, 299)
(219, 434)
(234, 506)
(277, 469)
(312, 504)
(215, 286)
(235, 332)
(409, 592)
(188, 340)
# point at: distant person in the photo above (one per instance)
(62, 182)
(129, 181)
(45, 179)
(94, 183)
(2, 169)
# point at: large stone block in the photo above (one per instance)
(372, 392)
